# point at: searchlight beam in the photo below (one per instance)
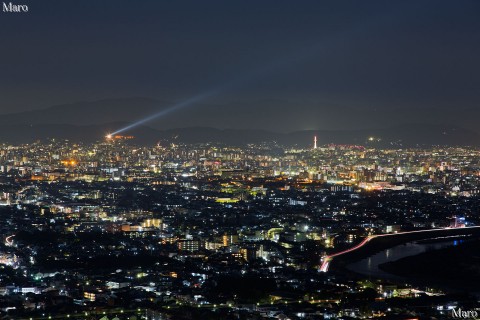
(166, 111)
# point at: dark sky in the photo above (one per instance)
(297, 59)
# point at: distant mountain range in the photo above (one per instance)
(404, 136)
(87, 112)
(91, 121)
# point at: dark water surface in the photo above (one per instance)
(370, 266)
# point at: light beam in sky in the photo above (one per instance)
(283, 62)
(280, 63)
(168, 110)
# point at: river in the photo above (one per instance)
(369, 266)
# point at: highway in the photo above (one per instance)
(328, 259)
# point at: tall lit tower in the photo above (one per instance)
(315, 142)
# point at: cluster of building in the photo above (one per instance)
(112, 229)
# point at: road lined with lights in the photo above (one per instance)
(328, 259)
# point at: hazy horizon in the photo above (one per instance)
(271, 65)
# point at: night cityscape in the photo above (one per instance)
(239, 160)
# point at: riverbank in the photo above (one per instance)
(456, 267)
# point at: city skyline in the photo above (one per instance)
(191, 231)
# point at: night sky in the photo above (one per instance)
(281, 65)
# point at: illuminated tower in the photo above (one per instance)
(315, 142)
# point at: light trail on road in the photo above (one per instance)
(328, 259)
(9, 241)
